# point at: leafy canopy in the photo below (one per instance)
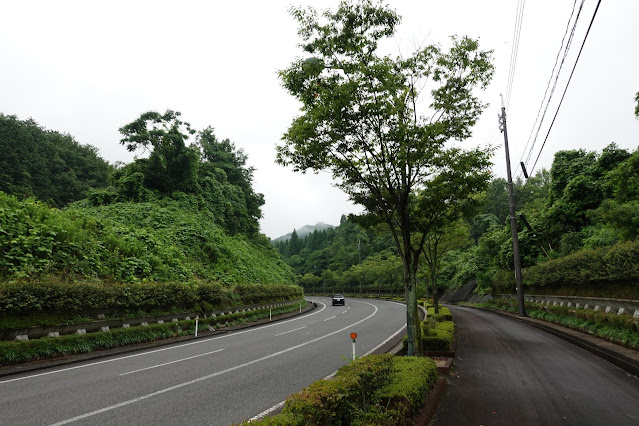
(380, 124)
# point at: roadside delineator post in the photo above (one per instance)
(197, 319)
(353, 336)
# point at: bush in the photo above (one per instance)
(439, 336)
(21, 299)
(376, 389)
(588, 272)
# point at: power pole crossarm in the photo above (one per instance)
(513, 219)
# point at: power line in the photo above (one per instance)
(561, 47)
(515, 48)
(567, 84)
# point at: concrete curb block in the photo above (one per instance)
(573, 336)
(432, 402)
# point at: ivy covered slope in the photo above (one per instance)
(185, 213)
(163, 240)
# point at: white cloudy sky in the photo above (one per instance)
(87, 68)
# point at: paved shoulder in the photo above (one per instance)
(508, 372)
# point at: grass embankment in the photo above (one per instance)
(13, 352)
(376, 389)
(622, 329)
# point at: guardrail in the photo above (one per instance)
(614, 306)
(107, 324)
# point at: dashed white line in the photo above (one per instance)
(197, 342)
(210, 376)
(290, 331)
(330, 318)
(171, 362)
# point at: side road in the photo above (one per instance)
(625, 358)
(9, 370)
(508, 371)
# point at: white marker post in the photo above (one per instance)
(197, 318)
(353, 336)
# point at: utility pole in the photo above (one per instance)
(359, 252)
(513, 219)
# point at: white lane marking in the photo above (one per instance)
(330, 376)
(210, 376)
(171, 362)
(161, 350)
(345, 311)
(290, 331)
(330, 318)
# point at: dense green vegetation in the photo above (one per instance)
(376, 389)
(46, 164)
(174, 231)
(583, 237)
(348, 258)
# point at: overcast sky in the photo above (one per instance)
(87, 68)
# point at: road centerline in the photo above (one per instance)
(290, 331)
(171, 362)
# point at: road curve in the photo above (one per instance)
(509, 373)
(217, 380)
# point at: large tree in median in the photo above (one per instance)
(380, 124)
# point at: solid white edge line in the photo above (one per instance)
(176, 346)
(330, 376)
(210, 376)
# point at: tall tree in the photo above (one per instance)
(172, 165)
(360, 117)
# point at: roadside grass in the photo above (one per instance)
(621, 329)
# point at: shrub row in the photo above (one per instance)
(376, 389)
(53, 297)
(583, 269)
(443, 315)
(12, 352)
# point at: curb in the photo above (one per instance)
(604, 349)
(432, 401)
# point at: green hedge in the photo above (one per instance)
(439, 336)
(18, 299)
(443, 315)
(586, 272)
(376, 389)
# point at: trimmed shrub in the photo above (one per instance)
(376, 389)
(439, 337)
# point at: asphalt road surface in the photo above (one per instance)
(218, 380)
(510, 373)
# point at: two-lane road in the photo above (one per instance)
(221, 380)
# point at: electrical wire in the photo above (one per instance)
(532, 130)
(567, 84)
(515, 48)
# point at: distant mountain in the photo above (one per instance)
(304, 230)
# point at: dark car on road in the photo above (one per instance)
(338, 299)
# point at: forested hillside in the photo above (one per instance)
(187, 212)
(578, 229)
(46, 164)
